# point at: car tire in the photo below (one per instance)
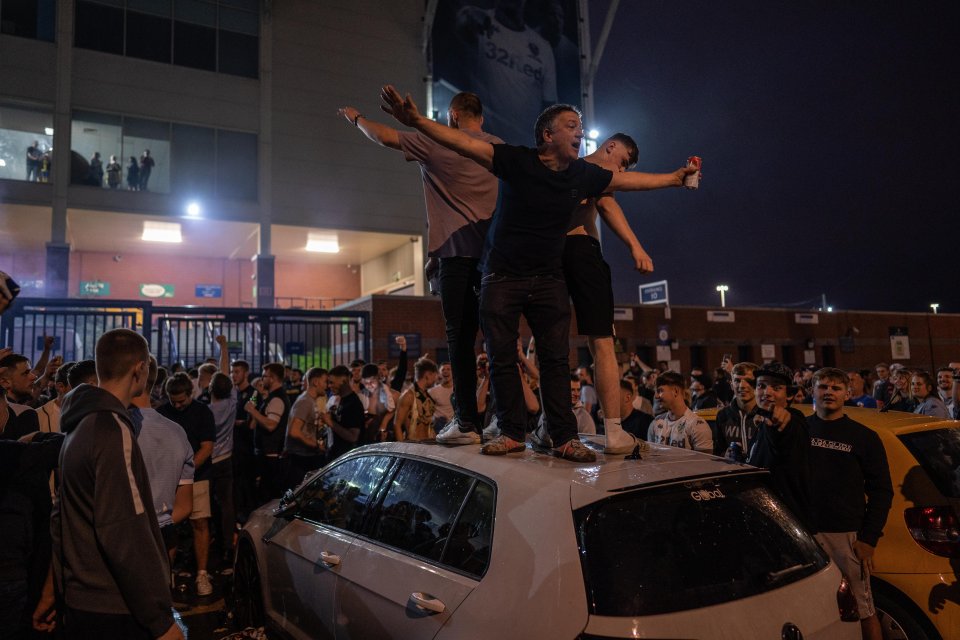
(897, 622)
(247, 591)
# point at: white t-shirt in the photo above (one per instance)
(689, 431)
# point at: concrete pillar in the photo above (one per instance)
(263, 269)
(58, 251)
(264, 262)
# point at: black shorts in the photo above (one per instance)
(588, 279)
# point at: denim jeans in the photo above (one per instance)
(459, 280)
(544, 302)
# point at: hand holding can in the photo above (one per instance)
(692, 180)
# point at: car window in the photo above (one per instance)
(419, 508)
(468, 543)
(938, 452)
(340, 496)
(690, 545)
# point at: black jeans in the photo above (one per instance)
(221, 491)
(544, 302)
(459, 280)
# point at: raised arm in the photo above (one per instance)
(224, 354)
(380, 133)
(613, 216)
(406, 112)
(637, 181)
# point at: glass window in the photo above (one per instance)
(938, 452)
(194, 46)
(95, 138)
(467, 545)
(28, 18)
(149, 142)
(148, 37)
(340, 496)
(155, 7)
(196, 12)
(420, 507)
(690, 545)
(239, 21)
(192, 164)
(239, 54)
(98, 27)
(237, 165)
(26, 144)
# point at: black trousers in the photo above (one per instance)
(459, 283)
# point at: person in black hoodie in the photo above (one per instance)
(848, 463)
(782, 444)
(735, 421)
(110, 565)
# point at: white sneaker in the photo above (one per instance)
(492, 430)
(204, 588)
(453, 434)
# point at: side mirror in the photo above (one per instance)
(287, 507)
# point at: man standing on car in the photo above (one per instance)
(460, 199)
(851, 490)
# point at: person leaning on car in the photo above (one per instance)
(848, 463)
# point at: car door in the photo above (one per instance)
(425, 549)
(306, 555)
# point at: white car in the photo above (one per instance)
(417, 540)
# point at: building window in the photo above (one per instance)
(162, 157)
(26, 144)
(214, 35)
(35, 19)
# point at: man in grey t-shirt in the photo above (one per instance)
(461, 197)
(303, 444)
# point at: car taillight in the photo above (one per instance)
(936, 529)
(847, 602)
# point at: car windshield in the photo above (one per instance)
(938, 452)
(690, 545)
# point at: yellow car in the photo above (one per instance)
(916, 581)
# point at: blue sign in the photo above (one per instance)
(654, 293)
(208, 291)
(295, 348)
(663, 334)
(55, 347)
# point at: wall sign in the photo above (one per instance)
(156, 290)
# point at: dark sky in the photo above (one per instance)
(828, 132)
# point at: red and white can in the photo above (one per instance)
(692, 180)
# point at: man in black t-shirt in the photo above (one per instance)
(851, 490)
(197, 421)
(346, 418)
(522, 271)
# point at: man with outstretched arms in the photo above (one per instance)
(460, 198)
(591, 287)
(522, 263)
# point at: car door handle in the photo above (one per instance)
(425, 601)
(329, 559)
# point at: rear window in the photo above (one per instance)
(690, 545)
(938, 452)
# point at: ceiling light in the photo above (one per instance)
(48, 131)
(593, 134)
(161, 232)
(322, 243)
(194, 210)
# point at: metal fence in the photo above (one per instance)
(187, 335)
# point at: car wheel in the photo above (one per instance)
(896, 621)
(248, 597)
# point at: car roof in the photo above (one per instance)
(531, 470)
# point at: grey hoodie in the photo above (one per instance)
(108, 554)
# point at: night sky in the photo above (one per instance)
(828, 132)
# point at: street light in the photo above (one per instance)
(722, 288)
(935, 306)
